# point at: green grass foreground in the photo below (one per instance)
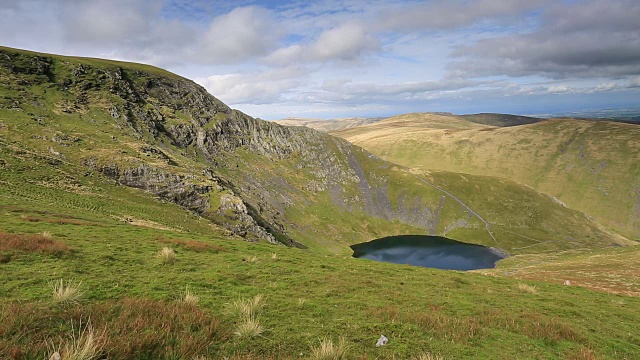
(135, 304)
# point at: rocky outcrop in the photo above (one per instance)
(188, 191)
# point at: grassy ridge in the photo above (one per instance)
(590, 166)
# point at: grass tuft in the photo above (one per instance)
(189, 298)
(47, 235)
(246, 308)
(327, 350)
(528, 289)
(66, 294)
(167, 256)
(248, 328)
(83, 345)
(427, 356)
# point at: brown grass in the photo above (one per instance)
(85, 344)
(131, 328)
(39, 243)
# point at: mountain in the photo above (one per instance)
(103, 164)
(148, 129)
(591, 166)
(327, 125)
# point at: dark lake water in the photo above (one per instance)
(428, 251)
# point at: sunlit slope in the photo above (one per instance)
(614, 270)
(591, 166)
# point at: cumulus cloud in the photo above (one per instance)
(346, 42)
(256, 87)
(243, 33)
(585, 39)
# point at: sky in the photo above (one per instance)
(359, 58)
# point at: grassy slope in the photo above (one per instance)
(308, 296)
(590, 166)
(115, 232)
(613, 270)
(49, 118)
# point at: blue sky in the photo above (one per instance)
(345, 58)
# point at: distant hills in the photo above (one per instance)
(327, 125)
(591, 166)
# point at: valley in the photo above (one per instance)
(104, 163)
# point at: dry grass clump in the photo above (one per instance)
(41, 243)
(528, 289)
(133, 329)
(189, 298)
(167, 255)
(247, 311)
(327, 350)
(246, 308)
(66, 294)
(427, 356)
(83, 345)
(248, 328)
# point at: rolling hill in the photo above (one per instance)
(591, 166)
(326, 125)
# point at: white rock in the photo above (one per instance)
(382, 341)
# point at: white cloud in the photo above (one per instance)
(586, 39)
(243, 33)
(345, 42)
(558, 89)
(107, 21)
(256, 87)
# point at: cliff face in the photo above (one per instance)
(149, 129)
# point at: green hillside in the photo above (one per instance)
(103, 164)
(591, 166)
(262, 181)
